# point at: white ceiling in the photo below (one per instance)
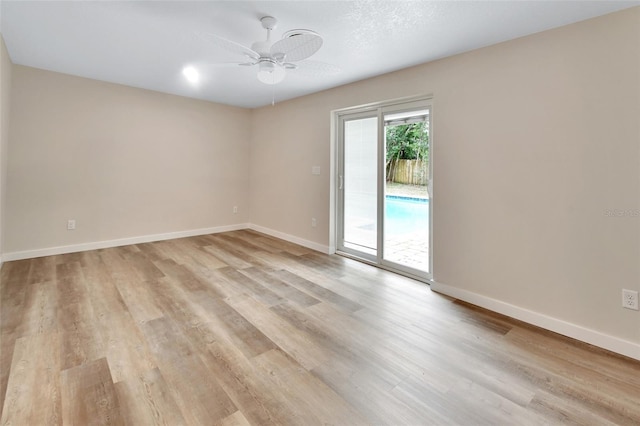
(147, 43)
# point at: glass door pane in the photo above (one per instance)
(406, 198)
(361, 185)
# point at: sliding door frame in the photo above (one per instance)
(338, 118)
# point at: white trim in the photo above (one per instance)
(593, 337)
(291, 238)
(333, 173)
(29, 254)
(375, 105)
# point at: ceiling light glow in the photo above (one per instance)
(191, 74)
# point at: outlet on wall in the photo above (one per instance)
(629, 299)
(71, 224)
(314, 222)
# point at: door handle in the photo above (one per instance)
(340, 184)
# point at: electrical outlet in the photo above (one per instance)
(71, 224)
(630, 299)
(314, 222)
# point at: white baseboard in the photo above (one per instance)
(291, 238)
(29, 254)
(596, 338)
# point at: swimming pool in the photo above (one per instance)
(406, 214)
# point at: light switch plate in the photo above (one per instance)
(315, 170)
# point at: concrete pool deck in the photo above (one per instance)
(412, 250)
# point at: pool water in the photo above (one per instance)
(406, 214)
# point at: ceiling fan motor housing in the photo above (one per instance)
(262, 47)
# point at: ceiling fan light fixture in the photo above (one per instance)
(270, 72)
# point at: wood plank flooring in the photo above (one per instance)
(240, 328)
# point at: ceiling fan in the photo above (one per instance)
(274, 59)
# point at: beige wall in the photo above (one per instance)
(5, 94)
(122, 162)
(534, 139)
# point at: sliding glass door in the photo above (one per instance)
(384, 186)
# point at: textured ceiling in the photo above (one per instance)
(146, 44)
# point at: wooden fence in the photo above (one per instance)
(414, 172)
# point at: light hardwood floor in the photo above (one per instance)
(240, 328)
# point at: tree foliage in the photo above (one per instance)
(406, 142)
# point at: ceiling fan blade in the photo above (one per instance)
(316, 68)
(215, 65)
(227, 64)
(296, 47)
(232, 46)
